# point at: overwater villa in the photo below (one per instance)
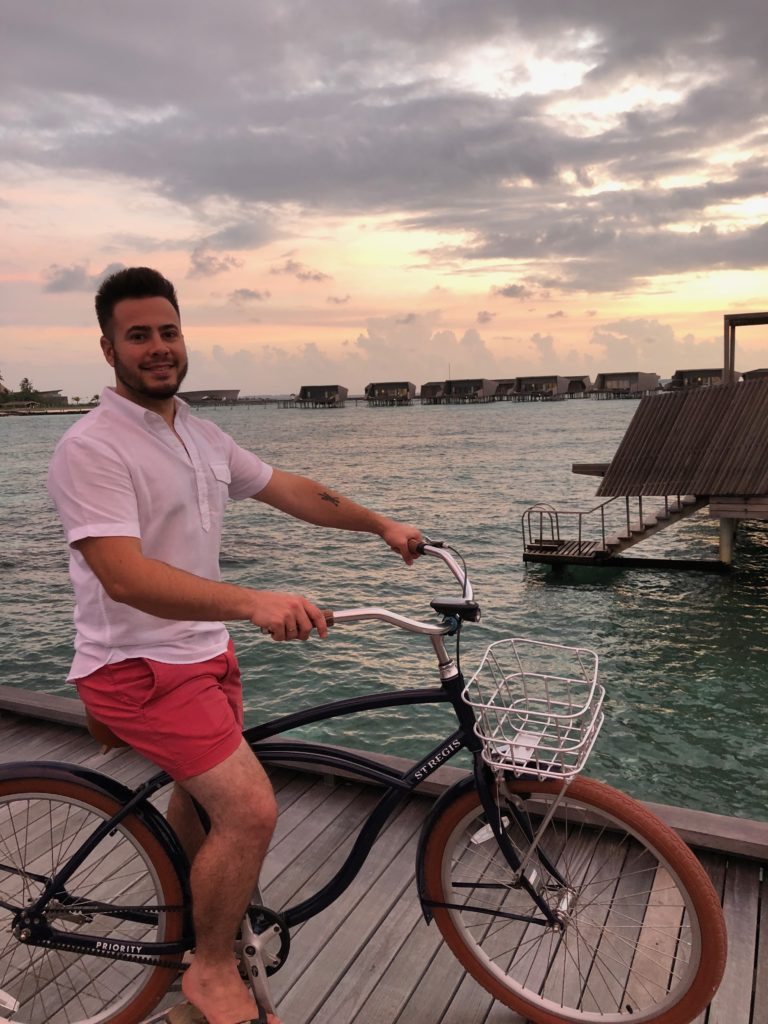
(505, 389)
(695, 379)
(625, 384)
(550, 386)
(213, 396)
(432, 393)
(321, 396)
(476, 389)
(390, 393)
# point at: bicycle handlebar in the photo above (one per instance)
(403, 622)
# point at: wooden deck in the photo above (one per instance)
(370, 958)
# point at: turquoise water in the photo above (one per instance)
(683, 655)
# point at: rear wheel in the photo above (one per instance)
(42, 822)
(640, 935)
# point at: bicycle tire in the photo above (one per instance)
(41, 820)
(633, 946)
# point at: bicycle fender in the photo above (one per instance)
(457, 790)
(106, 786)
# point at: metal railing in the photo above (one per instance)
(542, 522)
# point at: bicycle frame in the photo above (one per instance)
(397, 787)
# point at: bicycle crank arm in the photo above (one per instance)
(254, 959)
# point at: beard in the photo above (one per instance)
(134, 381)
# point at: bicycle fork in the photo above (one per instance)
(525, 876)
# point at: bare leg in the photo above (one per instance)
(238, 798)
(185, 821)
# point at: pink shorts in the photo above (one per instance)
(184, 718)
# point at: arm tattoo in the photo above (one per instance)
(325, 496)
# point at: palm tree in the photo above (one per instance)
(76, 399)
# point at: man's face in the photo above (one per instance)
(148, 352)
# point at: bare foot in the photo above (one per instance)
(219, 994)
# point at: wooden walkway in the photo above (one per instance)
(370, 958)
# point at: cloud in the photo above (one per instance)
(242, 296)
(252, 232)
(207, 264)
(484, 316)
(651, 346)
(512, 291)
(599, 145)
(300, 271)
(559, 315)
(75, 278)
(336, 300)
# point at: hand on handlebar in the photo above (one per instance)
(403, 539)
(287, 616)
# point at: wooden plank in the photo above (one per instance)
(431, 977)
(630, 874)
(473, 1003)
(715, 866)
(292, 862)
(733, 999)
(760, 1010)
(656, 945)
(362, 909)
(348, 1000)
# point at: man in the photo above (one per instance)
(141, 486)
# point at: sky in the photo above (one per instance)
(346, 191)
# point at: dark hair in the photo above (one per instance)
(131, 283)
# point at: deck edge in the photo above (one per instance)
(742, 837)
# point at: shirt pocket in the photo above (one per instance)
(222, 473)
(223, 477)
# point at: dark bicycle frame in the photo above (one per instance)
(398, 786)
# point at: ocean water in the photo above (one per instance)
(683, 655)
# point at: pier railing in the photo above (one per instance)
(606, 526)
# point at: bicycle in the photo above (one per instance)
(566, 899)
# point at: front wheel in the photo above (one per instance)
(639, 934)
(42, 823)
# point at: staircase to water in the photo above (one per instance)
(594, 535)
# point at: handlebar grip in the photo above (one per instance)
(419, 547)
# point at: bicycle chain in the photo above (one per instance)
(131, 959)
(101, 908)
(84, 908)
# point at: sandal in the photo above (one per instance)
(186, 1013)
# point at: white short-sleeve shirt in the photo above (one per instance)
(122, 472)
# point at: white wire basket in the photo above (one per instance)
(538, 707)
